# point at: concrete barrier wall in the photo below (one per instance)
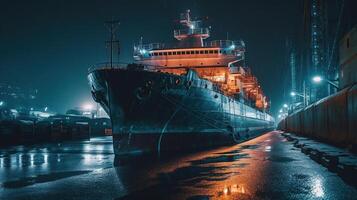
(332, 119)
(352, 110)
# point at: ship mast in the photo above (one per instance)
(112, 27)
(192, 35)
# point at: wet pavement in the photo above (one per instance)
(267, 167)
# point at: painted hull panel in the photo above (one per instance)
(153, 112)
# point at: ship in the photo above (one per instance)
(184, 96)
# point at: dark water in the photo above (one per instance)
(267, 167)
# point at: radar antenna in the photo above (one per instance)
(185, 18)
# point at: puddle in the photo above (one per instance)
(219, 159)
(280, 159)
(41, 179)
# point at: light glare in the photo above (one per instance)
(317, 79)
(87, 106)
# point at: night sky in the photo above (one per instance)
(49, 45)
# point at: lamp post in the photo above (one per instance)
(319, 79)
(89, 108)
(283, 112)
(293, 94)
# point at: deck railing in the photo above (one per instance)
(225, 44)
(150, 46)
(121, 65)
(216, 43)
(195, 31)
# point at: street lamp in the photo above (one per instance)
(285, 105)
(297, 94)
(88, 107)
(293, 94)
(1, 103)
(319, 79)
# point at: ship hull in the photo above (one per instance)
(155, 112)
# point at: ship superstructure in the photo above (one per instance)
(187, 95)
(220, 61)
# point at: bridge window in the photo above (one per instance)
(206, 51)
(187, 52)
(210, 51)
(192, 52)
(155, 54)
(197, 52)
(165, 53)
(160, 53)
(216, 51)
(183, 53)
(174, 53)
(179, 53)
(202, 52)
(169, 53)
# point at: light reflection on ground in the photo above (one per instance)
(317, 187)
(20, 162)
(263, 168)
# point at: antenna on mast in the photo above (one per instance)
(141, 41)
(112, 27)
